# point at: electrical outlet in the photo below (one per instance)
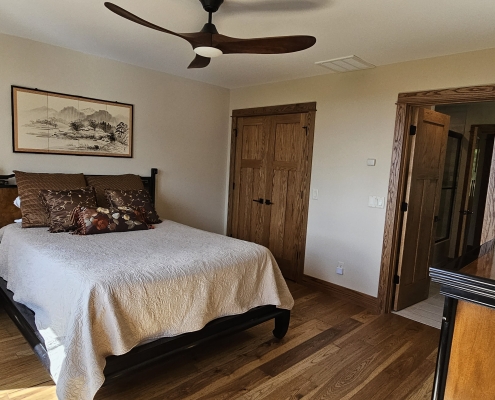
(340, 268)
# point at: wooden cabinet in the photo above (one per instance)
(271, 171)
(466, 354)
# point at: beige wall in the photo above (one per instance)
(355, 121)
(180, 126)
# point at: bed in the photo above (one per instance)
(144, 311)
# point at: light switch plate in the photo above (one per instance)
(380, 202)
(371, 162)
(372, 201)
(315, 194)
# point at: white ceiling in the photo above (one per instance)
(379, 31)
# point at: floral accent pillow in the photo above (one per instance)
(135, 199)
(91, 221)
(61, 203)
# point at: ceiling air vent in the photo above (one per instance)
(345, 64)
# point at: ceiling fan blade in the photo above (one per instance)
(268, 45)
(134, 18)
(195, 39)
(199, 62)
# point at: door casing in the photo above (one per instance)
(399, 168)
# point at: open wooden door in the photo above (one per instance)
(427, 158)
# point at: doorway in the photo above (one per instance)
(406, 113)
(270, 174)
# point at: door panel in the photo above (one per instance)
(428, 149)
(286, 190)
(277, 217)
(250, 212)
(248, 215)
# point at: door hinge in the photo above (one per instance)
(235, 131)
(233, 185)
(306, 128)
(403, 207)
(412, 130)
(396, 279)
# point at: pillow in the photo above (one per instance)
(61, 203)
(119, 182)
(29, 185)
(91, 221)
(135, 199)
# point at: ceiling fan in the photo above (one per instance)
(209, 43)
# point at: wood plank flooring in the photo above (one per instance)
(333, 350)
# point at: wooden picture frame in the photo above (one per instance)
(56, 123)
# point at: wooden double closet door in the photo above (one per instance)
(271, 170)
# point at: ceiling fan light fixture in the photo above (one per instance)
(207, 51)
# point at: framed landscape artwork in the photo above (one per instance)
(55, 123)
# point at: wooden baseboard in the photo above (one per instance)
(343, 293)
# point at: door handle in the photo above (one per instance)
(268, 202)
(260, 200)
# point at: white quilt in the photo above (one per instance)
(105, 294)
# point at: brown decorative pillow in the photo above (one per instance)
(29, 185)
(92, 221)
(119, 182)
(61, 203)
(135, 199)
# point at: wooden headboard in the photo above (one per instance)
(8, 193)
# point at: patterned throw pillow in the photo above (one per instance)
(29, 185)
(135, 199)
(92, 221)
(61, 203)
(120, 182)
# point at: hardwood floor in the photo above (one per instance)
(333, 350)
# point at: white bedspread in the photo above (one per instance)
(104, 294)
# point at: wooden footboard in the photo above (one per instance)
(155, 351)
